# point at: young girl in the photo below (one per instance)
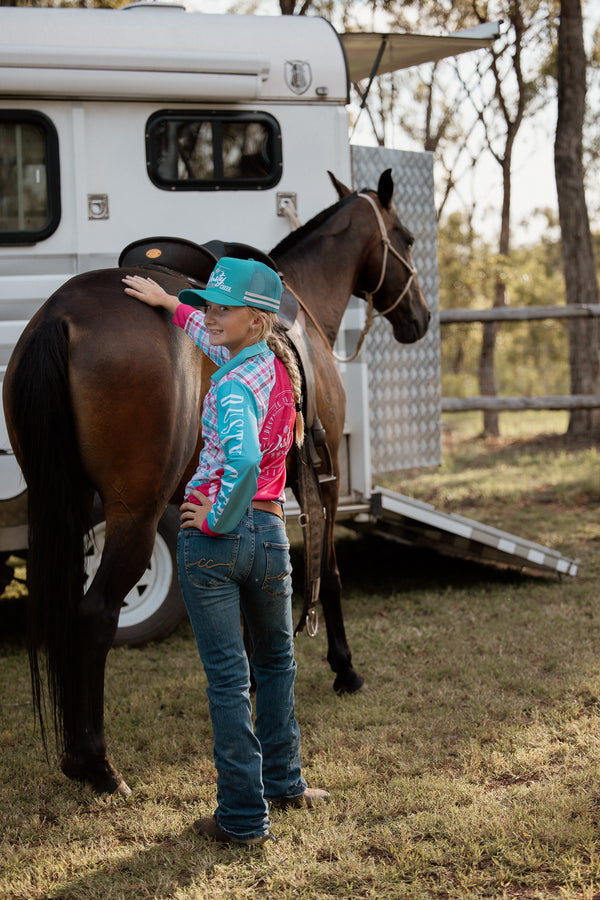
(233, 551)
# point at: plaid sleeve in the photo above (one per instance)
(192, 322)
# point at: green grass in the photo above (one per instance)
(469, 768)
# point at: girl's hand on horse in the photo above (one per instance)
(149, 292)
(194, 514)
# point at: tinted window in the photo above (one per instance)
(29, 177)
(213, 151)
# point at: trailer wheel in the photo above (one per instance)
(154, 607)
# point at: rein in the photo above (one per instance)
(307, 312)
(371, 314)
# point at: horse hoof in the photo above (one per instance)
(123, 789)
(348, 683)
(103, 778)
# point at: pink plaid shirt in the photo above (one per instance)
(262, 385)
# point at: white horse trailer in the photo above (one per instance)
(121, 124)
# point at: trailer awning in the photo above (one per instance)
(400, 51)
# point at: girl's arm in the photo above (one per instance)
(191, 320)
(238, 433)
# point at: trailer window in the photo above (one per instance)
(213, 151)
(29, 177)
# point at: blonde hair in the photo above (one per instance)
(271, 333)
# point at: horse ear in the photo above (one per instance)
(341, 189)
(385, 189)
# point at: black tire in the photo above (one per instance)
(154, 607)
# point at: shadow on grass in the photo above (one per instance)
(371, 565)
(367, 563)
(13, 623)
(171, 867)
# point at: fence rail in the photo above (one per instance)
(519, 314)
(514, 404)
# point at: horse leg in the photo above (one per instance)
(331, 406)
(126, 554)
(339, 657)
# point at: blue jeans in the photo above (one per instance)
(246, 571)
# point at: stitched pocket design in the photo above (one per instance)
(278, 569)
(210, 561)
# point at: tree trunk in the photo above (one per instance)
(513, 120)
(487, 365)
(578, 259)
(288, 7)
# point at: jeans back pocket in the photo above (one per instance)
(278, 569)
(209, 561)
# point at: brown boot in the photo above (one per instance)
(307, 800)
(208, 827)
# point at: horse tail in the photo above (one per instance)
(59, 515)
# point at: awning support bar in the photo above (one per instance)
(372, 77)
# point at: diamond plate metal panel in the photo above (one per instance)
(404, 379)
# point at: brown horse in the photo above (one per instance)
(104, 394)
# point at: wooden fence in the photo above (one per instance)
(519, 314)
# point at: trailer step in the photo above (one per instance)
(397, 517)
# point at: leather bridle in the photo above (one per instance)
(371, 314)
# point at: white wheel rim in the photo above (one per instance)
(150, 592)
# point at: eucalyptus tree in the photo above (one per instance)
(578, 257)
(467, 108)
(517, 89)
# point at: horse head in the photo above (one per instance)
(387, 277)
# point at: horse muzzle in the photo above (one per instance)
(411, 330)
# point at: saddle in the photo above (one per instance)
(196, 262)
(192, 260)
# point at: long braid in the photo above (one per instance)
(282, 350)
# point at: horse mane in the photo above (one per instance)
(300, 233)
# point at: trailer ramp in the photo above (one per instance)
(397, 517)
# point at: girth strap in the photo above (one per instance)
(312, 520)
(312, 512)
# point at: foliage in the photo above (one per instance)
(532, 357)
(465, 106)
